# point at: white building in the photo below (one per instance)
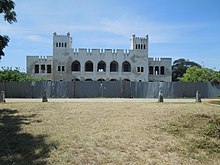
(68, 64)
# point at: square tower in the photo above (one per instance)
(139, 45)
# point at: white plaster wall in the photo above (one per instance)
(166, 62)
(64, 55)
(39, 60)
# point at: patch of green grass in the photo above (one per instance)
(199, 133)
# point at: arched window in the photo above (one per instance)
(88, 79)
(113, 80)
(101, 65)
(126, 66)
(114, 66)
(75, 79)
(75, 66)
(89, 66)
(101, 79)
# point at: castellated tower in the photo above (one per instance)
(62, 41)
(139, 56)
(80, 64)
(139, 45)
(62, 44)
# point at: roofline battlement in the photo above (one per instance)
(100, 51)
(159, 59)
(140, 38)
(67, 35)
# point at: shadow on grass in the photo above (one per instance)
(17, 147)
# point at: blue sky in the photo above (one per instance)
(187, 29)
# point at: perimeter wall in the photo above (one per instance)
(108, 89)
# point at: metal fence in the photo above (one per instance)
(122, 89)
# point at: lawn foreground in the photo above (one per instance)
(109, 133)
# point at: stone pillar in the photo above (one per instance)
(44, 96)
(160, 97)
(198, 97)
(2, 97)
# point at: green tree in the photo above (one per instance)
(14, 75)
(180, 66)
(197, 74)
(7, 9)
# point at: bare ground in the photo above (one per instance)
(102, 131)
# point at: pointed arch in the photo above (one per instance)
(114, 66)
(101, 65)
(126, 66)
(75, 66)
(89, 66)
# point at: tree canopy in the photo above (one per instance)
(198, 74)
(180, 66)
(14, 75)
(7, 9)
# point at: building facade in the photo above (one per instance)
(69, 64)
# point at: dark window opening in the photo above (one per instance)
(75, 79)
(88, 79)
(126, 80)
(42, 67)
(48, 68)
(157, 70)
(101, 65)
(151, 70)
(139, 46)
(101, 79)
(126, 66)
(162, 70)
(114, 66)
(65, 45)
(63, 68)
(136, 46)
(59, 68)
(76, 66)
(56, 44)
(36, 69)
(144, 46)
(140, 69)
(89, 66)
(113, 80)
(59, 44)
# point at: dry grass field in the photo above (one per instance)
(109, 133)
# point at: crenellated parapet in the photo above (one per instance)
(100, 51)
(159, 59)
(67, 35)
(68, 63)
